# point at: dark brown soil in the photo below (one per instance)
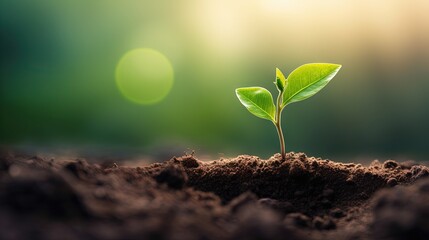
(241, 198)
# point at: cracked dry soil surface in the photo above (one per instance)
(240, 198)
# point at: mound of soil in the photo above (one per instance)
(241, 198)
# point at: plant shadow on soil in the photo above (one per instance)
(240, 198)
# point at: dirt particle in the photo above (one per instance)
(419, 172)
(298, 220)
(241, 201)
(402, 213)
(363, 195)
(314, 164)
(297, 169)
(283, 206)
(392, 182)
(173, 175)
(375, 163)
(350, 181)
(390, 164)
(325, 223)
(424, 187)
(5, 162)
(42, 194)
(350, 165)
(302, 156)
(261, 224)
(276, 163)
(78, 168)
(189, 162)
(337, 213)
(14, 170)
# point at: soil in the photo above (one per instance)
(241, 198)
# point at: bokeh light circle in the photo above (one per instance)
(144, 76)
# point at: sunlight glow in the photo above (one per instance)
(144, 76)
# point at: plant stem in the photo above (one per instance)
(279, 126)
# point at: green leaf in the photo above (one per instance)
(281, 81)
(307, 80)
(258, 101)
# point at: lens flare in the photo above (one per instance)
(144, 76)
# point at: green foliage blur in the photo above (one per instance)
(58, 60)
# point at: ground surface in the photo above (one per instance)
(240, 198)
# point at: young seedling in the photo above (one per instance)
(302, 83)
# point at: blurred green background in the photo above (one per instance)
(58, 89)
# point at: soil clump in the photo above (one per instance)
(240, 198)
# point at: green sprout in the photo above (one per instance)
(302, 83)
